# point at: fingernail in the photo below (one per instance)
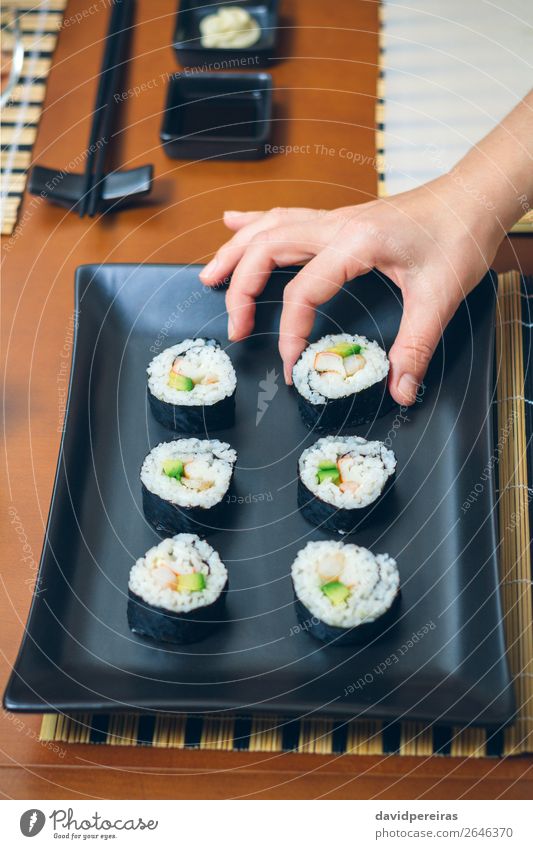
(232, 212)
(210, 268)
(408, 387)
(287, 373)
(230, 328)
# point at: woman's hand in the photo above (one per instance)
(435, 243)
(428, 241)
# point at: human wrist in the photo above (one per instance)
(471, 217)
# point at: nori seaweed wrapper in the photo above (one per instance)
(337, 636)
(339, 413)
(196, 419)
(169, 519)
(168, 626)
(331, 518)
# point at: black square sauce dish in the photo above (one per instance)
(217, 115)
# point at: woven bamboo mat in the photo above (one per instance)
(40, 22)
(323, 736)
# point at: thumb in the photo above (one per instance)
(420, 330)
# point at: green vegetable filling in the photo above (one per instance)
(345, 349)
(336, 592)
(193, 582)
(180, 382)
(173, 469)
(328, 471)
(328, 475)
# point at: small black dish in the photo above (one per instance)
(217, 115)
(187, 36)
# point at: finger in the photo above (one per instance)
(230, 253)
(317, 283)
(235, 219)
(420, 330)
(269, 249)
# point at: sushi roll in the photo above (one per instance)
(185, 483)
(191, 387)
(341, 381)
(343, 593)
(177, 591)
(341, 481)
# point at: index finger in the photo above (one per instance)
(313, 286)
(231, 252)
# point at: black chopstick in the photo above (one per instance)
(115, 69)
(102, 101)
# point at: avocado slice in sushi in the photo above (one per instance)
(336, 591)
(324, 465)
(345, 349)
(192, 582)
(329, 475)
(180, 382)
(328, 471)
(173, 469)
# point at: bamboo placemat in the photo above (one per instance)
(40, 23)
(514, 408)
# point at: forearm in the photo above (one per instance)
(498, 171)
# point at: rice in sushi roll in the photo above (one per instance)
(185, 483)
(341, 381)
(341, 480)
(177, 591)
(191, 387)
(344, 593)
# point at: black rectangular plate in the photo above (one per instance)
(78, 654)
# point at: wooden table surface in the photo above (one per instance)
(325, 85)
